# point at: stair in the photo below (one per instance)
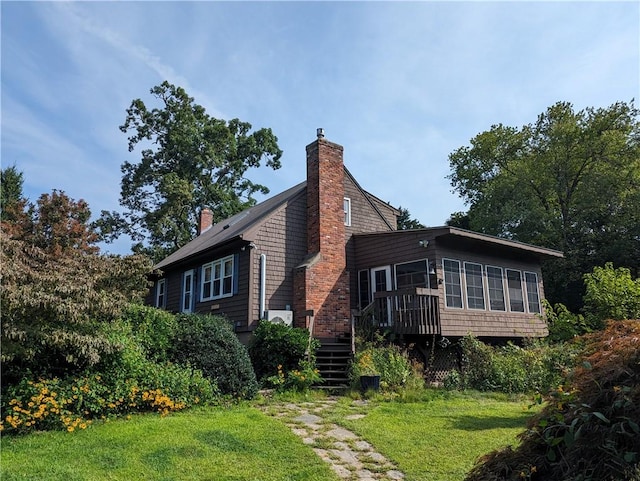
(332, 360)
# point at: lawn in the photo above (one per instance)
(436, 440)
(440, 440)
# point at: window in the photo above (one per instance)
(412, 274)
(452, 283)
(514, 285)
(363, 289)
(475, 286)
(533, 296)
(217, 279)
(347, 211)
(496, 289)
(187, 291)
(161, 294)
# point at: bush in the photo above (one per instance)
(276, 347)
(513, 369)
(589, 428)
(153, 329)
(611, 294)
(208, 343)
(389, 362)
(563, 324)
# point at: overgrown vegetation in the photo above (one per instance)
(537, 367)
(394, 366)
(283, 357)
(588, 429)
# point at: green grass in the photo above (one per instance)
(236, 444)
(436, 438)
(440, 439)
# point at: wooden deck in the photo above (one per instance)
(406, 311)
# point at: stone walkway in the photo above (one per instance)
(350, 457)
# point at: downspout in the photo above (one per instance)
(263, 284)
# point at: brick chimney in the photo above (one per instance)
(321, 282)
(206, 220)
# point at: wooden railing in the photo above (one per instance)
(406, 311)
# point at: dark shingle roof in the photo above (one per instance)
(235, 227)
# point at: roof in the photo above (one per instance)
(236, 227)
(455, 232)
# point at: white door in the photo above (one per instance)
(380, 282)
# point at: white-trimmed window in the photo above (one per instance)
(412, 274)
(514, 285)
(217, 279)
(475, 285)
(533, 294)
(161, 293)
(495, 287)
(346, 204)
(452, 283)
(188, 281)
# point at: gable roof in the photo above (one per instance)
(448, 232)
(236, 227)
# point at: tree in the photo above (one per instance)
(57, 291)
(189, 161)
(570, 181)
(12, 202)
(459, 219)
(405, 222)
(611, 294)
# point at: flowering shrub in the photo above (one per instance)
(300, 379)
(72, 404)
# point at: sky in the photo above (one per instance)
(400, 85)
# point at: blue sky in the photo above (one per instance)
(400, 85)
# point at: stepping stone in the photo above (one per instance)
(308, 419)
(352, 417)
(341, 434)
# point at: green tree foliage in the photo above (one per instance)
(57, 291)
(570, 181)
(12, 203)
(405, 222)
(611, 294)
(189, 161)
(460, 220)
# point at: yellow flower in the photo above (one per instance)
(70, 429)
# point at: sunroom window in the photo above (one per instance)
(495, 286)
(161, 293)
(412, 274)
(452, 283)
(514, 284)
(475, 286)
(533, 295)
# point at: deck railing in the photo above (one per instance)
(405, 311)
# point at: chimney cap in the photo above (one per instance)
(320, 132)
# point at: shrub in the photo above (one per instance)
(152, 328)
(299, 380)
(390, 362)
(208, 343)
(276, 347)
(611, 294)
(563, 324)
(513, 369)
(588, 429)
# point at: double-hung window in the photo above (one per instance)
(161, 293)
(452, 283)
(475, 285)
(514, 284)
(533, 295)
(217, 279)
(496, 289)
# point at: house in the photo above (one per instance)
(325, 255)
